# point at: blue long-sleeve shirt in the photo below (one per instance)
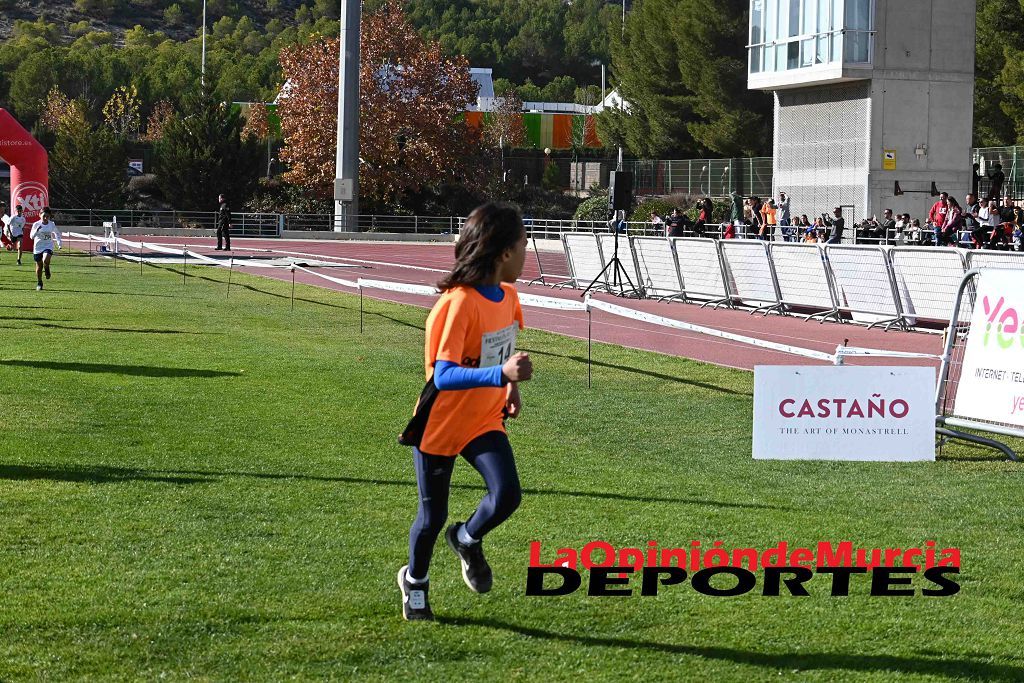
(449, 376)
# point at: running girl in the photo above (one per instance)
(472, 385)
(44, 234)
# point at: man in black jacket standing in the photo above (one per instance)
(223, 224)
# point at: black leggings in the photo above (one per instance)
(491, 455)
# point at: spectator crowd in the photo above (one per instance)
(976, 224)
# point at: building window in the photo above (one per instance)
(787, 35)
(858, 31)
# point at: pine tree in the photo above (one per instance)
(202, 154)
(645, 69)
(729, 120)
(681, 66)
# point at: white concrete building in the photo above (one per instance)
(867, 93)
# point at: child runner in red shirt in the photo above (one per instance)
(472, 385)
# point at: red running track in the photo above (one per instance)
(420, 263)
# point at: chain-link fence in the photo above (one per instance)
(987, 158)
(702, 177)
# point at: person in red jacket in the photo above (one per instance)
(949, 233)
(937, 215)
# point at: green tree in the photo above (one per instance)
(80, 28)
(326, 8)
(686, 82)
(588, 27)
(202, 154)
(33, 78)
(529, 92)
(103, 8)
(645, 69)
(87, 164)
(560, 89)
(28, 38)
(173, 16)
(551, 180)
(998, 60)
(730, 120)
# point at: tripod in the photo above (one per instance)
(619, 276)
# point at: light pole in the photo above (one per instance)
(618, 166)
(202, 62)
(346, 174)
(501, 146)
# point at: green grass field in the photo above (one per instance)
(194, 486)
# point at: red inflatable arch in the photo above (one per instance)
(30, 177)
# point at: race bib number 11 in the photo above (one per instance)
(498, 347)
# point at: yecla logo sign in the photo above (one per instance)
(33, 197)
(1006, 322)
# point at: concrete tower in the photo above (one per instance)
(867, 93)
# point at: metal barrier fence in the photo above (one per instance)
(701, 273)
(657, 270)
(751, 274)
(864, 285)
(889, 286)
(583, 254)
(272, 224)
(244, 224)
(325, 222)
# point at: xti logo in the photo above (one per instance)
(1006, 322)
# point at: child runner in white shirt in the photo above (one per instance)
(44, 234)
(15, 230)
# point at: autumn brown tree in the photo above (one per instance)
(412, 132)
(55, 108)
(158, 119)
(121, 112)
(257, 122)
(504, 126)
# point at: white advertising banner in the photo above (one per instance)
(991, 385)
(844, 413)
